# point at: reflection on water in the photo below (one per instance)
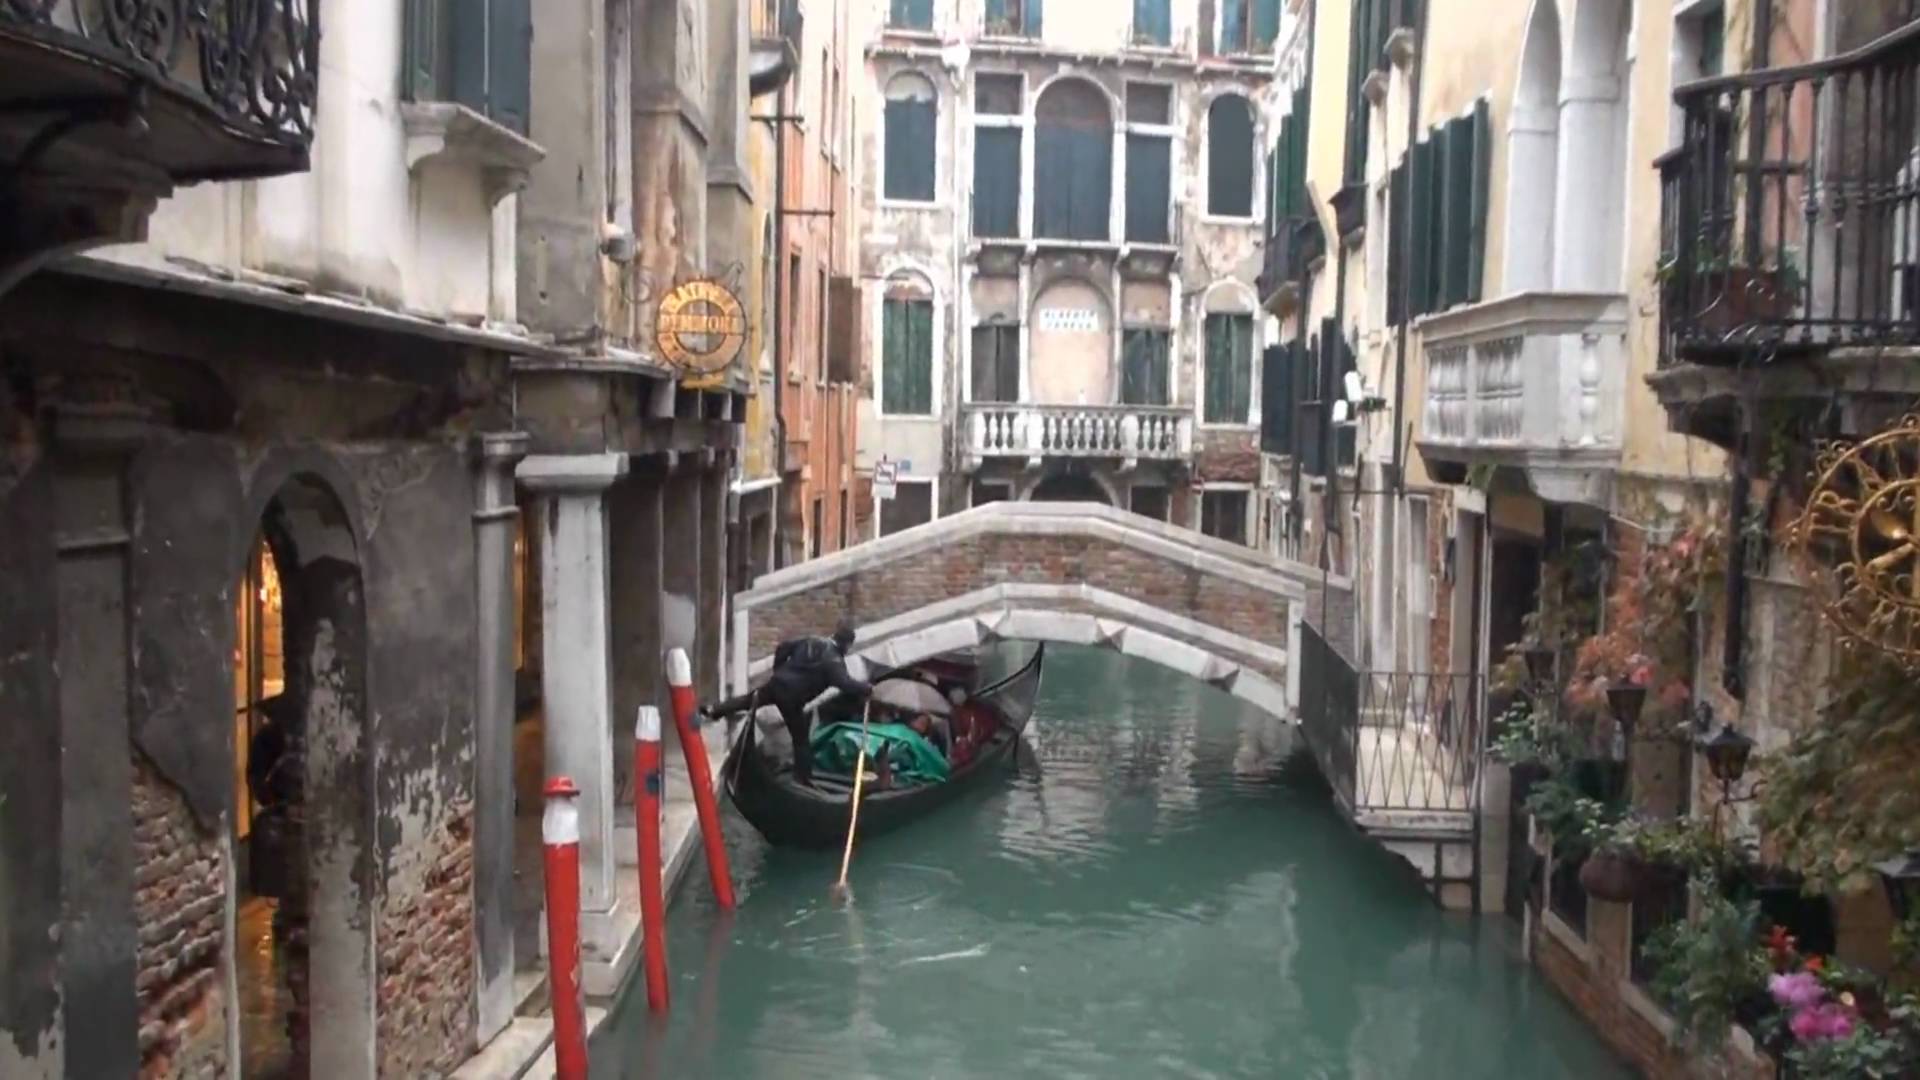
(1157, 888)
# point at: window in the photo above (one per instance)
(911, 505)
(996, 95)
(1229, 370)
(1073, 162)
(1149, 501)
(912, 112)
(1445, 180)
(996, 181)
(818, 532)
(1277, 365)
(820, 343)
(910, 14)
(996, 362)
(1152, 22)
(984, 493)
(1223, 515)
(477, 53)
(1149, 162)
(1230, 157)
(1018, 18)
(796, 363)
(906, 357)
(1248, 26)
(1143, 366)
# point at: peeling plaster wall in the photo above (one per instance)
(1086, 39)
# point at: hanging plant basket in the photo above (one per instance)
(1611, 876)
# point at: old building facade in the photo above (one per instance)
(1060, 243)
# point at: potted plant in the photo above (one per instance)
(1614, 870)
(1707, 964)
(1730, 294)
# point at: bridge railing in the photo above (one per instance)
(1330, 711)
(1419, 742)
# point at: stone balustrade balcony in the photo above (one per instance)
(1126, 433)
(1536, 381)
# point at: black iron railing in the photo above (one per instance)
(1329, 711)
(1791, 209)
(1419, 742)
(252, 63)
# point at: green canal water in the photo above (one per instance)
(1161, 889)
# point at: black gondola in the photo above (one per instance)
(791, 815)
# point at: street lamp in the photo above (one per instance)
(1540, 660)
(1727, 755)
(1900, 876)
(1625, 701)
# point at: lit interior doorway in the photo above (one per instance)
(259, 678)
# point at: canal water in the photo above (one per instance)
(1162, 889)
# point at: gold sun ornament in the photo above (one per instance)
(1858, 540)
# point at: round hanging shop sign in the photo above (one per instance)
(1859, 539)
(700, 327)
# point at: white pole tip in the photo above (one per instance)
(648, 726)
(679, 668)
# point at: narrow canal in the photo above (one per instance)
(1162, 890)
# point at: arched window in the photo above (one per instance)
(1230, 157)
(1072, 162)
(1227, 370)
(913, 112)
(906, 347)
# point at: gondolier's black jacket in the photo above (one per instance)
(804, 668)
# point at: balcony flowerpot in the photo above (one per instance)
(1613, 876)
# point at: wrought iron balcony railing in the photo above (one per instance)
(1136, 432)
(1791, 210)
(218, 89)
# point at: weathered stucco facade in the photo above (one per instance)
(1038, 273)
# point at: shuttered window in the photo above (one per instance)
(1223, 515)
(477, 53)
(1397, 244)
(910, 14)
(1276, 397)
(996, 362)
(996, 181)
(1020, 18)
(1073, 163)
(1445, 183)
(1152, 22)
(1144, 364)
(1248, 26)
(1230, 157)
(1229, 370)
(1149, 187)
(912, 113)
(907, 357)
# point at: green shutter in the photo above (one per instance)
(1149, 187)
(466, 37)
(1217, 380)
(1230, 157)
(1482, 179)
(1397, 230)
(423, 37)
(1153, 22)
(1033, 17)
(510, 63)
(1420, 236)
(909, 149)
(1448, 152)
(996, 181)
(1242, 368)
(911, 14)
(1276, 399)
(1266, 23)
(893, 356)
(920, 358)
(1460, 227)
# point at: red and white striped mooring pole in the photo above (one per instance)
(680, 683)
(560, 832)
(653, 904)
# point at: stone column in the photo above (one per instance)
(713, 575)
(98, 939)
(494, 516)
(577, 682)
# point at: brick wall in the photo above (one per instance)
(979, 562)
(179, 907)
(425, 1002)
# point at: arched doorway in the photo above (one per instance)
(303, 803)
(1069, 487)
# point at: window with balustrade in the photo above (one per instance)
(1145, 360)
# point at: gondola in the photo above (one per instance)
(790, 815)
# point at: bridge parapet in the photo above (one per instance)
(1056, 571)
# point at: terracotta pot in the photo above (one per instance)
(1612, 877)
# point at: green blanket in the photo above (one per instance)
(914, 760)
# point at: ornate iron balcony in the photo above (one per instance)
(200, 89)
(1791, 210)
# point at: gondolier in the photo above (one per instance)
(803, 669)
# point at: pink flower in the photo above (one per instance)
(1800, 990)
(1828, 1021)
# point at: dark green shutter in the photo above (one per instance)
(1460, 228)
(893, 355)
(1276, 399)
(1073, 182)
(1033, 18)
(1230, 157)
(1266, 22)
(1242, 368)
(1397, 230)
(996, 363)
(423, 30)
(466, 37)
(909, 149)
(920, 358)
(911, 14)
(1153, 22)
(1216, 380)
(1149, 187)
(510, 63)
(1482, 179)
(996, 181)
(1233, 27)
(1420, 236)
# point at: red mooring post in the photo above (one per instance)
(653, 904)
(560, 832)
(680, 683)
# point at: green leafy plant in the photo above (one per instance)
(1565, 811)
(1706, 965)
(1528, 732)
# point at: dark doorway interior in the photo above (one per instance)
(1068, 487)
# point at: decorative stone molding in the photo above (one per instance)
(440, 131)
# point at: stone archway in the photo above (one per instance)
(1070, 487)
(323, 787)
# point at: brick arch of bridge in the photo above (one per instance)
(1074, 572)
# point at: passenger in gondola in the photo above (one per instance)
(803, 669)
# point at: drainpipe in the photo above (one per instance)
(1404, 221)
(779, 323)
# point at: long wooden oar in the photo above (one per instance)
(859, 778)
